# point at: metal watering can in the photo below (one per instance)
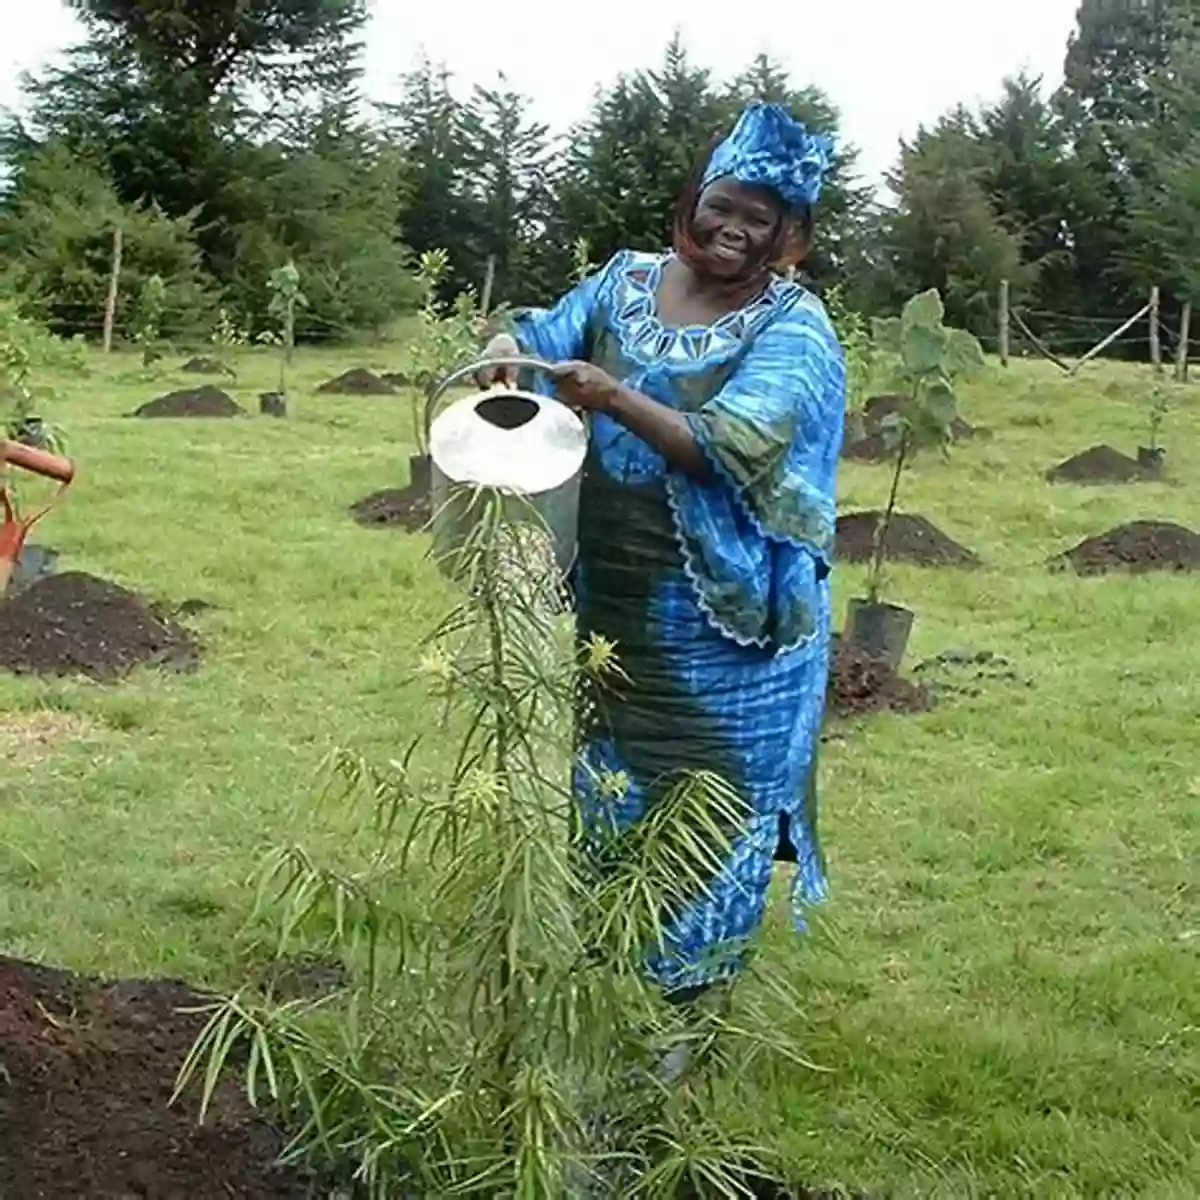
(527, 447)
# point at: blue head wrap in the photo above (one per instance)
(770, 148)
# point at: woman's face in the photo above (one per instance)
(735, 225)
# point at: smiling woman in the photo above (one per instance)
(714, 389)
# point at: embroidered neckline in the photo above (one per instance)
(646, 340)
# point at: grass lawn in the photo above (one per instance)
(1004, 983)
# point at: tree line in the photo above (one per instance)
(229, 138)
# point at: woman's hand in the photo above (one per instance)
(582, 385)
(503, 345)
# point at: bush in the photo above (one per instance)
(57, 232)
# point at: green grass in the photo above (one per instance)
(1004, 983)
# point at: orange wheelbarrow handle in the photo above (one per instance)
(40, 462)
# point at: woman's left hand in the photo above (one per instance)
(583, 385)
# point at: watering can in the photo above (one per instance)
(14, 529)
(527, 447)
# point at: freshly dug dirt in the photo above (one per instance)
(1138, 547)
(87, 1071)
(1099, 464)
(358, 382)
(859, 686)
(206, 366)
(910, 538)
(76, 624)
(206, 401)
(408, 508)
(871, 447)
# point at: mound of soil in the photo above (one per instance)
(400, 379)
(206, 401)
(206, 366)
(911, 539)
(88, 1069)
(1099, 464)
(1138, 547)
(871, 447)
(358, 382)
(859, 686)
(76, 624)
(409, 508)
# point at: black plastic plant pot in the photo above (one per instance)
(33, 563)
(272, 404)
(420, 471)
(1152, 459)
(32, 432)
(879, 631)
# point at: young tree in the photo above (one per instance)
(507, 163)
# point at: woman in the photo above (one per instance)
(715, 395)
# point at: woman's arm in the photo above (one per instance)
(663, 428)
(582, 385)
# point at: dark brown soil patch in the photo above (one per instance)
(1138, 547)
(76, 624)
(859, 686)
(88, 1069)
(358, 382)
(877, 408)
(408, 508)
(206, 401)
(911, 539)
(399, 379)
(206, 366)
(1099, 464)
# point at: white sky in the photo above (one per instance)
(889, 65)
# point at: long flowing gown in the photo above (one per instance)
(715, 592)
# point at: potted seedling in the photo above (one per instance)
(855, 336)
(286, 298)
(446, 338)
(147, 330)
(227, 338)
(929, 359)
(1151, 458)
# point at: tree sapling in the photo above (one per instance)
(928, 359)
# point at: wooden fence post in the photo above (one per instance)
(110, 302)
(1155, 339)
(1004, 323)
(1181, 354)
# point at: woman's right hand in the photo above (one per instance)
(503, 345)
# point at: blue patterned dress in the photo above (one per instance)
(716, 593)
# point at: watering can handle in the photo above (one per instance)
(438, 388)
(40, 462)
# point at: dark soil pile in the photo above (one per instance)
(399, 379)
(358, 382)
(872, 446)
(1138, 547)
(1099, 464)
(206, 401)
(76, 624)
(859, 686)
(911, 539)
(205, 366)
(88, 1069)
(408, 508)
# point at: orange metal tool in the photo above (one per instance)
(15, 529)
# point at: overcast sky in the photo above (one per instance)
(889, 65)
